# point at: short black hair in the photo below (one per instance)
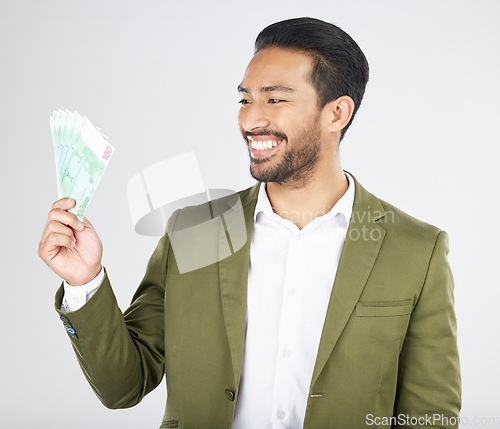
(340, 67)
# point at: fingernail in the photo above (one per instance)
(80, 224)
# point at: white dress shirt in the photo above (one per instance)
(290, 279)
(76, 296)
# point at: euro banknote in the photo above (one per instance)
(82, 153)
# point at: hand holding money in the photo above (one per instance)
(69, 244)
(70, 247)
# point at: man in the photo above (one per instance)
(337, 312)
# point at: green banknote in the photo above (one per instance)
(82, 154)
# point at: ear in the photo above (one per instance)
(338, 113)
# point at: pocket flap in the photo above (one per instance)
(384, 308)
(170, 424)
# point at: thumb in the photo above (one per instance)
(87, 223)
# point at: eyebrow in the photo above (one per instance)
(268, 88)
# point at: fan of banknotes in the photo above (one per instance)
(82, 154)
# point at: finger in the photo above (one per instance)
(64, 217)
(54, 226)
(49, 247)
(64, 204)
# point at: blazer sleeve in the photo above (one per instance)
(122, 355)
(429, 374)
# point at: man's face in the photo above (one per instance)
(279, 116)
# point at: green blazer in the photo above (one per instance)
(388, 345)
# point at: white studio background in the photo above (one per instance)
(160, 77)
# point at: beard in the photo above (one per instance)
(296, 164)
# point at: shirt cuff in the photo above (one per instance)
(75, 297)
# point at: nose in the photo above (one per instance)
(252, 117)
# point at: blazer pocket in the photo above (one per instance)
(384, 308)
(170, 424)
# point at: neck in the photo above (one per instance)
(315, 198)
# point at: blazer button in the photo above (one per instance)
(230, 395)
(69, 327)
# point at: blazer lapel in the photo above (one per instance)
(361, 246)
(233, 272)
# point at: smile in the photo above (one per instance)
(263, 143)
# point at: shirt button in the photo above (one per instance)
(287, 353)
(292, 291)
(281, 414)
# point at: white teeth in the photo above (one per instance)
(263, 145)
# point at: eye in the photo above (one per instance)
(275, 101)
(244, 101)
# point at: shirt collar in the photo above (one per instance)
(343, 205)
